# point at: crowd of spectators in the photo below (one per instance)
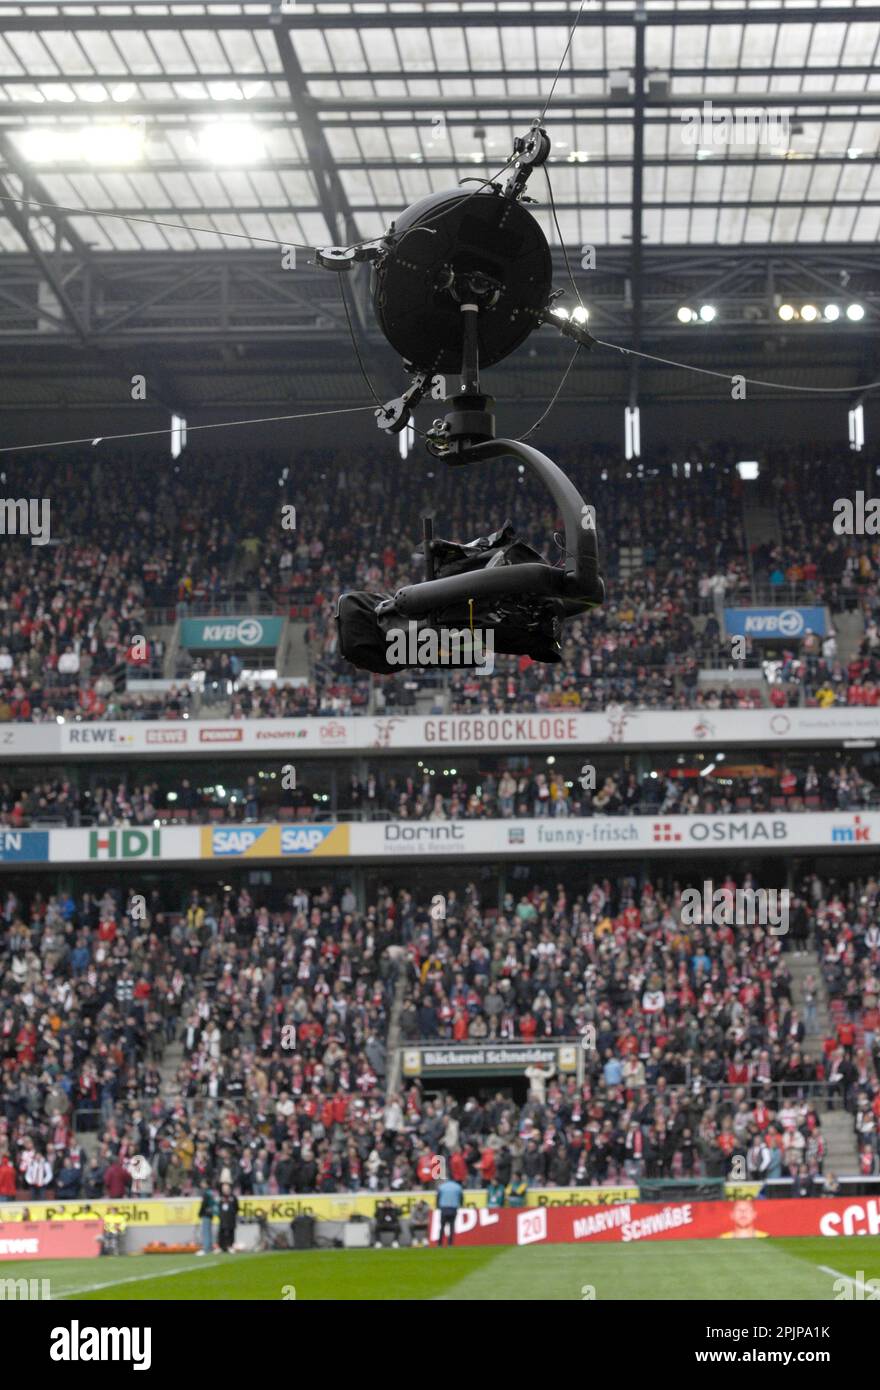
(142, 547)
(503, 790)
(524, 792)
(281, 1017)
(695, 1052)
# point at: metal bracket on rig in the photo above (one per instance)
(344, 257)
(395, 415)
(531, 152)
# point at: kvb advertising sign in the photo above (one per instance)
(229, 634)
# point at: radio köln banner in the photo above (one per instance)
(552, 731)
(487, 840)
(632, 1222)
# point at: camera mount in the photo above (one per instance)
(459, 281)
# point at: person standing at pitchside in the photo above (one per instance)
(450, 1196)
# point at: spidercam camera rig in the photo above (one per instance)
(459, 281)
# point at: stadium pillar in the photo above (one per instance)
(502, 886)
(358, 880)
(644, 872)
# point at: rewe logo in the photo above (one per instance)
(75, 1343)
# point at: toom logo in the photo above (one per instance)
(303, 839)
(166, 736)
(221, 735)
(855, 834)
(287, 735)
(125, 844)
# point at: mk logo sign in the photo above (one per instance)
(856, 834)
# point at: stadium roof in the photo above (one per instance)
(293, 123)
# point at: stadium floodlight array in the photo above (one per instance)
(810, 313)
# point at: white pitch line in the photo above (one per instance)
(136, 1279)
(826, 1269)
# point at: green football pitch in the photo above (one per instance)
(803, 1268)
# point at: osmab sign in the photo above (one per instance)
(727, 830)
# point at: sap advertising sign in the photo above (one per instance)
(774, 624)
(240, 634)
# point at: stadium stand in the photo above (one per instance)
(677, 550)
(163, 1033)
